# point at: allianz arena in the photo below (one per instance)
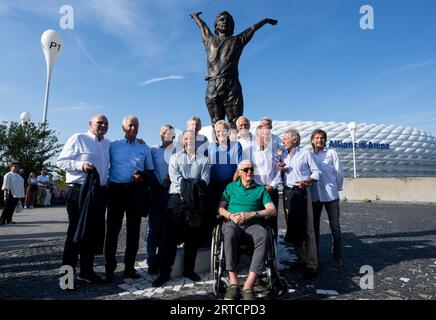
(381, 150)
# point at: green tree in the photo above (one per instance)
(33, 145)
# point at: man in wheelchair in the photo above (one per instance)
(244, 205)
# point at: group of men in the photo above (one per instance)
(182, 186)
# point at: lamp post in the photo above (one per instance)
(352, 127)
(25, 117)
(51, 43)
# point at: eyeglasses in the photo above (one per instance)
(247, 169)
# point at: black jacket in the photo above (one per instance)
(90, 230)
(193, 198)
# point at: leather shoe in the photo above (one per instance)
(159, 281)
(90, 278)
(109, 277)
(132, 273)
(193, 276)
(309, 273)
(153, 270)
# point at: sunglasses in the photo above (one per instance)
(248, 169)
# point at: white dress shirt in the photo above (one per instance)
(300, 165)
(14, 183)
(84, 148)
(265, 166)
(181, 167)
(246, 144)
(332, 177)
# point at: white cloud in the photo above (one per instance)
(79, 106)
(408, 67)
(82, 47)
(172, 77)
(6, 88)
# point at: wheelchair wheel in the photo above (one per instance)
(217, 264)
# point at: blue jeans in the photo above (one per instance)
(332, 208)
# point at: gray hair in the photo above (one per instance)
(129, 117)
(164, 129)
(243, 162)
(222, 123)
(242, 117)
(268, 120)
(294, 135)
(196, 119)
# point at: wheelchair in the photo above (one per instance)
(274, 286)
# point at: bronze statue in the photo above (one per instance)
(224, 92)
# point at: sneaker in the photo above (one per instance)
(159, 281)
(193, 276)
(90, 278)
(232, 292)
(247, 294)
(337, 264)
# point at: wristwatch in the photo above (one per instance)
(257, 214)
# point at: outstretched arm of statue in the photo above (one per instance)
(205, 31)
(249, 32)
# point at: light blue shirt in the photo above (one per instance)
(126, 158)
(300, 165)
(161, 158)
(181, 167)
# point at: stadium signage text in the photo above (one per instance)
(362, 144)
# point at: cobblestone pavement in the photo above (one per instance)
(398, 241)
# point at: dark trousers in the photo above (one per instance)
(71, 249)
(272, 221)
(332, 208)
(123, 198)
(9, 209)
(156, 219)
(295, 207)
(176, 230)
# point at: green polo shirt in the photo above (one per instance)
(241, 199)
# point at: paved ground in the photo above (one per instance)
(397, 241)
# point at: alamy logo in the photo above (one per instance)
(67, 20)
(367, 20)
(67, 279)
(367, 280)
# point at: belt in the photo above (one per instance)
(74, 185)
(122, 185)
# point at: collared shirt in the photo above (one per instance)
(126, 158)
(84, 148)
(161, 158)
(14, 183)
(224, 160)
(42, 181)
(265, 166)
(300, 165)
(332, 177)
(181, 167)
(242, 199)
(246, 144)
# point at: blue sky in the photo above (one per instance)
(316, 64)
